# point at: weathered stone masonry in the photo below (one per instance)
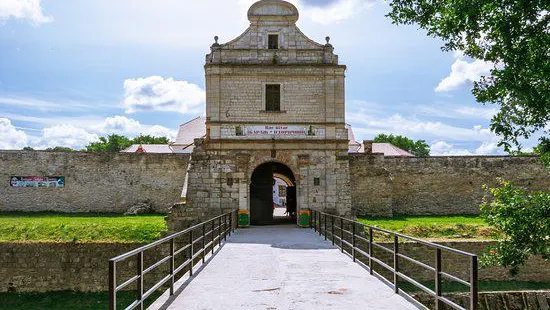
(94, 182)
(435, 185)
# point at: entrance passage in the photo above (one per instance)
(272, 194)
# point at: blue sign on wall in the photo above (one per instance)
(36, 181)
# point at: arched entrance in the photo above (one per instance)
(272, 185)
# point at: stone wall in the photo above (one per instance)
(52, 266)
(536, 269)
(521, 300)
(94, 182)
(434, 185)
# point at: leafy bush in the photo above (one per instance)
(524, 218)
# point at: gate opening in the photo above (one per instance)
(272, 195)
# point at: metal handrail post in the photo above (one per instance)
(438, 304)
(140, 279)
(212, 235)
(370, 250)
(332, 228)
(342, 235)
(473, 283)
(353, 240)
(191, 253)
(203, 241)
(219, 231)
(325, 232)
(230, 223)
(225, 228)
(172, 266)
(112, 285)
(395, 263)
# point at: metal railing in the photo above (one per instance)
(333, 227)
(194, 249)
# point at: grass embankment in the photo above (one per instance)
(67, 300)
(80, 227)
(436, 227)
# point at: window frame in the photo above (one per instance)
(268, 104)
(277, 41)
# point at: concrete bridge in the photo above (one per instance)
(286, 267)
(281, 267)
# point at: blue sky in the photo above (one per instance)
(71, 71)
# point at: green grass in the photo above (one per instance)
(483, 286)
(63, 227)
(66, 300)
(444, 227)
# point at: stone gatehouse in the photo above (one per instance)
(275, 106)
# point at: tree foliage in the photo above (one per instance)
(419, 148)
(524, 218)
(60, 149)
(512, 34)
(117, 143)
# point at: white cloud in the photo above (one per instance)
(462, 72)
(155, 93)
(24, 9)
(66, 135)
(442, 148)
(130, 127)
(477, 112)
(488, 148)
(338, 11)
(10, 137)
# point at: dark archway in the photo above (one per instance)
(261, 192)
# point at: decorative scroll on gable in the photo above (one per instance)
(278, 19)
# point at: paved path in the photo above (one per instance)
(284, 267)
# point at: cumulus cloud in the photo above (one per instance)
(463, 72)
(130, 127)
(10, 137)
(30, 10)
(155, 93)
(77, 135)
(337, 11)
(442, 148)
(67, 135)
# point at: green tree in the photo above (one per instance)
(419, 148)
(60, 149)
(524, 218)
(28, 148)
(111, 143)
(117, 143)
(512, 34)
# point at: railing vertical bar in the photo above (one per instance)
(342, 235)
(230, 223)
(212, 235)
(191, 253)
(332, 228)
(140, 279)
(438, 279)
(395, 263)
(219, 231)
(112, 285)
(325, 232)
(473, 283)
(225, 228)
(353, 240)
(203, 241)
(370, 250)
(172, 266)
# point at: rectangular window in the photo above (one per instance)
(273, 41)
(273, 97)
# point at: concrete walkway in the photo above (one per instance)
(284, 267)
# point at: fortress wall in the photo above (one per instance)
(94, 182)
(435, 185)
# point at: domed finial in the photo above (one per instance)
(328, 40)
(216, 39)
